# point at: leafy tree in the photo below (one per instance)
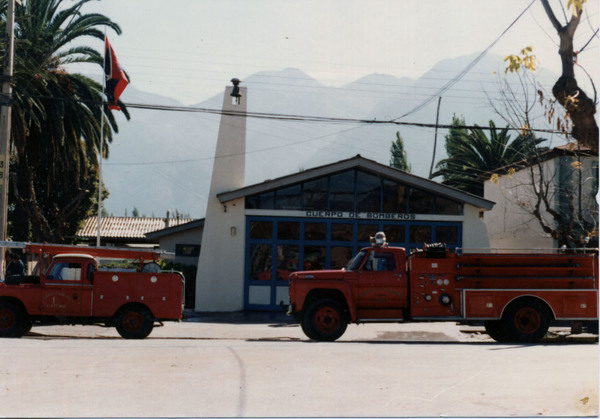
(558, 189)
(471, 153)
(398, 159)
(563, 201)
(559, 193)
(579, 107)
(56, 119)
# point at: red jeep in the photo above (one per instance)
(70, 287)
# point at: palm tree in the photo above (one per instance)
(471, 153)
(56, 119)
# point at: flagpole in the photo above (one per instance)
(115, 83)
(101, 144)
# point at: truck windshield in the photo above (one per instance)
(356, 261)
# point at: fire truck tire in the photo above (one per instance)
(495, 328)
(27, 325)
(325, 320)
(526, 320)
(134, 322)
(12, 320)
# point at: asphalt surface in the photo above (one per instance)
(262, 365)
(250, 325)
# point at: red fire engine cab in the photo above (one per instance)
(69, 286)
(515, 295)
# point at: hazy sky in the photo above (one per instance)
(190, 49)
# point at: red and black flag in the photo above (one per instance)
(116, 80)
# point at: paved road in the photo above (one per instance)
(265, 367)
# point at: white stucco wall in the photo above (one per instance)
(511, 223)
(475, 233)
(170, 242)
(220, 278)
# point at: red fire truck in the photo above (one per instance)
(516, 295)
(69, 286)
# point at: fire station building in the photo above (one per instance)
(255, 236)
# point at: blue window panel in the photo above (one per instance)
(335, 238)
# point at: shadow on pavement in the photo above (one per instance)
(275, 318)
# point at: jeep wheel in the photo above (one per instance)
(134, 322)
(12, 320)
(526, 320)
(325, 320)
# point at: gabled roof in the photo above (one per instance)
(366, 165)
(126, 227)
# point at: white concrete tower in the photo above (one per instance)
(220, 278)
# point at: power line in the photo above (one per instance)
(392, 89)
(321, 119)
(301, 118)
(466, 69)
(295, 117)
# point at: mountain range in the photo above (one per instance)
(161, 160)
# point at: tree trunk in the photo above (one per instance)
(578, 105)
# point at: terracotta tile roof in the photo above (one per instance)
(126, 227)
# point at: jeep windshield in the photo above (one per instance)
(356, 261)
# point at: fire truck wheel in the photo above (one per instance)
(27, 325)
(526, 320)
(134, 322)
(325, 320)
(12, 320)
(495, 328)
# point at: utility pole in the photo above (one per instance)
(5, 115)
